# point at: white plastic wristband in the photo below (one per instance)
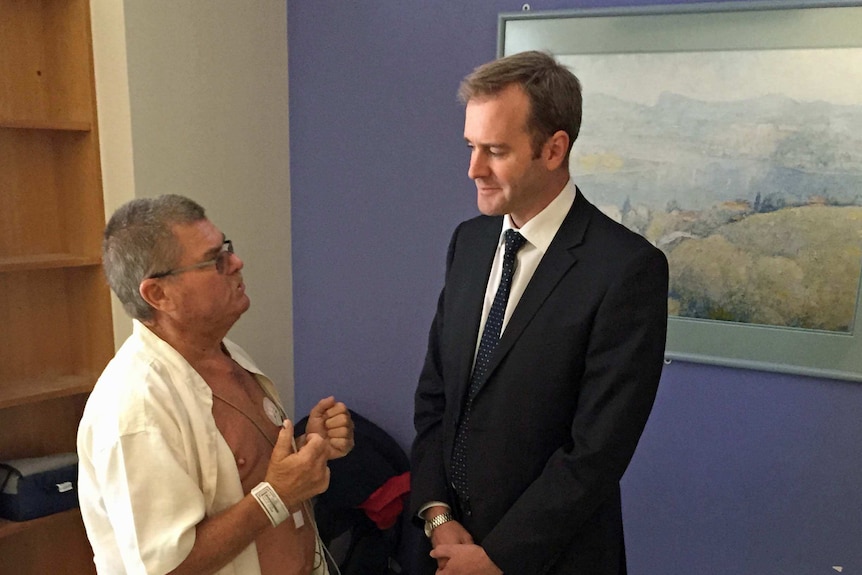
(270, 502)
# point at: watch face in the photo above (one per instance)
(428, 529)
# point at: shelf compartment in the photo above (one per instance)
(52, 544)
(9, 528)
(46, 62)
(44, 428)
(52, 181)
(56, 323)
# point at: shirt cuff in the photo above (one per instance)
(429, 505)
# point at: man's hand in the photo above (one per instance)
(450, 533)
(331, 420)
(301, 475)
(463, 559)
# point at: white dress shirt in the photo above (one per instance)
(152, 463)
(539, 233)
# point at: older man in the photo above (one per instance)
(187, 461)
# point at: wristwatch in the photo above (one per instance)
(436, 522)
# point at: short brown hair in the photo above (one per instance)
(553, 90)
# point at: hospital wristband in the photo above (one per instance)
(270, 502)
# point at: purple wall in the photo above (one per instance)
(738, 472)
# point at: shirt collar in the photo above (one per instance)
(542, 227)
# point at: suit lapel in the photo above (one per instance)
(555, 264)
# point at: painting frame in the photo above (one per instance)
(714, 26)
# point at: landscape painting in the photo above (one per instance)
(743, 166)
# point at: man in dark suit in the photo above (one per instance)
(522, 438)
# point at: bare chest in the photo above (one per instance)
(247, 419)
(249, 422)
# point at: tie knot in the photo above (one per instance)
(514, 242)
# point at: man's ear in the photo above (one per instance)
(556, 149)
(153, 292)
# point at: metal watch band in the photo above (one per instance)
(437, 521)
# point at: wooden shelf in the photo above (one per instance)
(69, 125)
(9, 528)
(36, 390)
(46, 262)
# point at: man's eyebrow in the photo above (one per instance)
(215, 250)
(487, 144)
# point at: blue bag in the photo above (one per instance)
(38, 486)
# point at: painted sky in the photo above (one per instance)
(833, 75)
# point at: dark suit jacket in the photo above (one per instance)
(565, 397)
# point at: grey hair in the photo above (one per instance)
(553, 90)
(139, 241)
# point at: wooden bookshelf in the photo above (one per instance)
(55, 313)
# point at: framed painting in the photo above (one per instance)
(729, 135)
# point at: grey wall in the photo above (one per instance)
(739, 472)
(193, 100)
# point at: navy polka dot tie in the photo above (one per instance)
(490, 337)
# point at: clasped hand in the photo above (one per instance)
(456, 554)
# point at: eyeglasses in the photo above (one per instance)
(220, 263)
